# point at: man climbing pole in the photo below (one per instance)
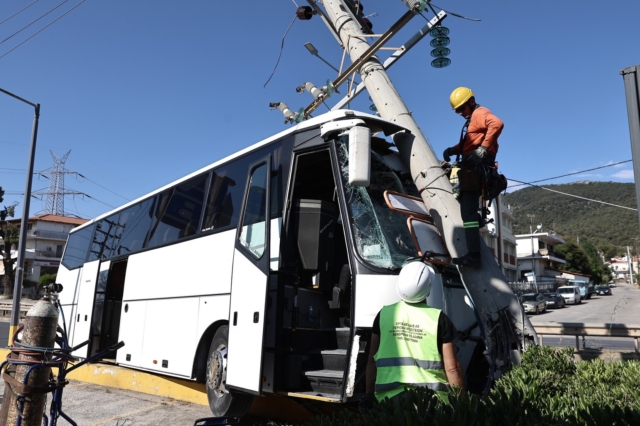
(478, 147)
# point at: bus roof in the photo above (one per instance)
(387, 127)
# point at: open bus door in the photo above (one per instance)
(249, 284)
(93, 274)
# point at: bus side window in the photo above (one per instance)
(180, 212)
(253, 231)
(106, 231)
(78, 244)
(224, 195)
(135, 222)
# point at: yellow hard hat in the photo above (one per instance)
(460, 96)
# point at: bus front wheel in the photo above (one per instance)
(222, 401)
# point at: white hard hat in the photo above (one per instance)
(414, 282)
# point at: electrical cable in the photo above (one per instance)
(42, 29)
(34, 21)
(281, 49)
(456, 14)
(576, 196)
(27, 6)
(106, 189)
(569, 174)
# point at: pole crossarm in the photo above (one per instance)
(357, 64)
(399, 53)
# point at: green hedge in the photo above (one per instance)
(47, 279)
(548, 388)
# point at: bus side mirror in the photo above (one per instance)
(359, 156)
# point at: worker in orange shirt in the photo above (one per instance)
(478, 147)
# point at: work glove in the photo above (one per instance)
(476, 157)
(367, 403)
(446, 155)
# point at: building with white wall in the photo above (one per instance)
(500, 239)
(46, 237)
(536, 253)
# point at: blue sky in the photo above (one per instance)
(143, 92)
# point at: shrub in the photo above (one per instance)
(28, 283)
(548, 388)
(47, 279)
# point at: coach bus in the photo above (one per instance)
(263, 272)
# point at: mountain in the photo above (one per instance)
(572, 218)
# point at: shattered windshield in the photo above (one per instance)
(381, 235)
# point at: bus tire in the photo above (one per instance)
(223, 402)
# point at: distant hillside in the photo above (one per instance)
(572, 217)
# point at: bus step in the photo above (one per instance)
(334, 359)
(325, 381)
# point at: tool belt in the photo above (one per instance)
(482, 177)
(469, 179)
(494, 183)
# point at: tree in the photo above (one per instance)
(599, 272)
(577, 259)
(9, 234)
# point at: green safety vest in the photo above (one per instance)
(408, 355)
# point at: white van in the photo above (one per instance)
(571, 294)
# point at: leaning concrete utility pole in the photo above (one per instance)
(631, 76)
(505, 327)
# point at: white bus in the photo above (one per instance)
(261, 273)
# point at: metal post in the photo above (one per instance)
(629, 266)
(486, 285)
(26, 404)
(22, 242)
(631, 77)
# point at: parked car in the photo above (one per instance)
(612, 284)
(586, 288)
(554, 300)
(603, 290)
(571, 294)
(533, 302)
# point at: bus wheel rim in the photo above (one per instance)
(216, 371)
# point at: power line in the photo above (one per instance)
(106, 189)
(27, 6)
(34, 21)
(570, 174)
(42, 29)
(576, 196)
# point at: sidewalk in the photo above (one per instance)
(89, 404)
(105, 394)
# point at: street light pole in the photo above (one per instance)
(533, 265)
(22, 242)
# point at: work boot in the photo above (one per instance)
(471, 259)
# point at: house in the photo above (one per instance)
(536, 254)
(620, 267)
(500, 239)
(46, 237)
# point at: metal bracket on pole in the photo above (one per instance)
(356, 65)
(394, 57)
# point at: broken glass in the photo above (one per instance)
(381, 235)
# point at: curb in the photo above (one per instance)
(109, 375)
(138, 381)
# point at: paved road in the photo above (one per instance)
(621, 307)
